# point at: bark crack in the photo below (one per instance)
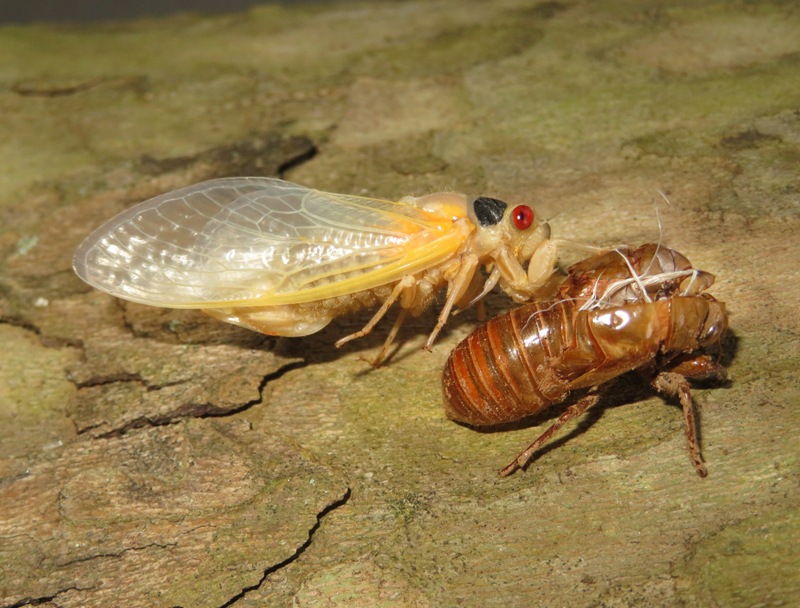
(186, 410)
(46, 340)
(342, 500)
(117, 554)
(46, 599)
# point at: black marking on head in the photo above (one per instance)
(489, 211)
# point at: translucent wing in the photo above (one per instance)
(257, 242)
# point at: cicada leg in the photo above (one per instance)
(573, 411)
(407, 282)
(698, 367)
(398, 322)
(676, 385)
(519, 283)
(456, 288)
(541, 264)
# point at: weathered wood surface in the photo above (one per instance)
(160, 458)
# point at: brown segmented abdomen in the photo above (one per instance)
(529, 358)
(499, 372)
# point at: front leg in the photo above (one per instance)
(518, 283)
(542, 263)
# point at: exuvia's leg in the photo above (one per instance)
(698, 367)
(675, 385)
(481, 310)
(573, 411)
(407, 282)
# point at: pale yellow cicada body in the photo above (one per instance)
(285, 260)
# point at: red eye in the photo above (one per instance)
(523, 216)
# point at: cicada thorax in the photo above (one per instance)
(491, 237)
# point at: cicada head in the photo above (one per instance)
(506, 240)
(499, 225)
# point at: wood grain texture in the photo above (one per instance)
(154, 458)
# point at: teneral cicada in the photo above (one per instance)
(285, 260)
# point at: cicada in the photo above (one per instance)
(285, 260)
(642, 309)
